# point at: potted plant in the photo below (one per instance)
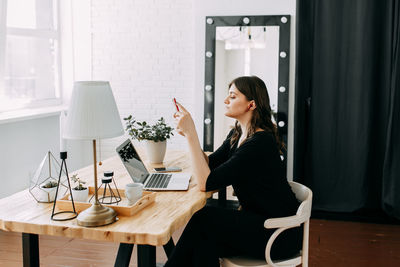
(79, 192)
(155, 135)
(49, 188)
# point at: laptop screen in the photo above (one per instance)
(132, 161)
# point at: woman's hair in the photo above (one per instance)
(255, 89)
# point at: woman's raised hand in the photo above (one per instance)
(184, 122)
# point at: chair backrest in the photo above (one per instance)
(303, 195)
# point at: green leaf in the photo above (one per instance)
(159, 131)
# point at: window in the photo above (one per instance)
(29, 54)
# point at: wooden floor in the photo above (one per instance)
(332, 243)
(337, 243)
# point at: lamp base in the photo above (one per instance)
(97, 215)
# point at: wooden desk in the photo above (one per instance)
(153, 226)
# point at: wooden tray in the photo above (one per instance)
(122, 208)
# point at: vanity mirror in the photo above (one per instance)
(241, 46)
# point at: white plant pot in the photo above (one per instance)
(156, 151)
(80, 195)
(48, 194)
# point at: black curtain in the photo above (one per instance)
(347, 115)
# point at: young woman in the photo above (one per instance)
(249, 160)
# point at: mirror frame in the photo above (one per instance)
(212, 22)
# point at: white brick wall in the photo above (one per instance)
(145, 48)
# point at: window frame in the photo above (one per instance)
(36, 33)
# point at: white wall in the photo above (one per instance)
(22, 150)
(234, 8)
(23, 144)
(146, 50)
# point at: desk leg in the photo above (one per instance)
(169, 247)
(146, 256)
(124, 255)
(30, 250)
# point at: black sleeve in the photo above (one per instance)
(240, 164)
(221, 154)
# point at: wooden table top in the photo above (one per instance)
(153, 225)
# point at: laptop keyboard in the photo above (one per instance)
(159, 180)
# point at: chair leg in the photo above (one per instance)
(305, 243)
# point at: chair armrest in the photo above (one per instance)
(302, 215)
(285, 222)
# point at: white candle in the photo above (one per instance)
(62, 140)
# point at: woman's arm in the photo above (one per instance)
(201, 170)
(206, 158)
(185, 126)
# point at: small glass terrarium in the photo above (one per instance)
(44, 184)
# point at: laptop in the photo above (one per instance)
(151, 181)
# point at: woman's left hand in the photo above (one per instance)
(184, 122)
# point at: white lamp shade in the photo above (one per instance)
(92, 113)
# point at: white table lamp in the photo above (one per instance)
(93, 114)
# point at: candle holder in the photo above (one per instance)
(106, 182)
(74, 214)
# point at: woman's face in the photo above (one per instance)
(236, 103)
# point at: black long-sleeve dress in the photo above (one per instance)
(256, 173)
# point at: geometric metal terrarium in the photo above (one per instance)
(43, 185)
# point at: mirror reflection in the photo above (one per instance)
(243, 51)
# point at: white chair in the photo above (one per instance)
(304, 195)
